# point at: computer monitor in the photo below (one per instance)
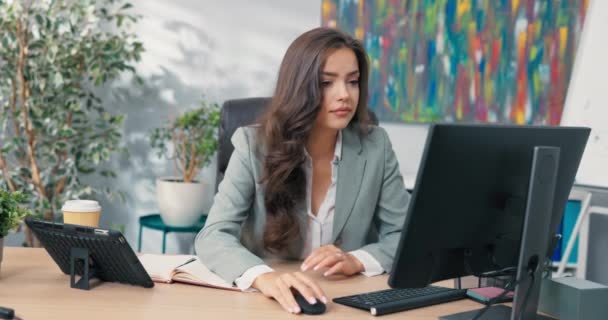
(468, 206)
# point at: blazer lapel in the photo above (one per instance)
(350, 174)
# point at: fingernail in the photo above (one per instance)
(312, 300)
(324, 299)
(316, 268)
(303, 267)
(326, 274)
(296, 310)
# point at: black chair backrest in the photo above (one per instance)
(238, 113)
(235, 113)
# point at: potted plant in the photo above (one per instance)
(11, 214)
(55, 57)
(190, 141)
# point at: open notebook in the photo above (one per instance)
(181, 268)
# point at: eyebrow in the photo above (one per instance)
(333, 74)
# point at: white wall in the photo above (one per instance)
(408, 142)
(222, 49)
(587, 96)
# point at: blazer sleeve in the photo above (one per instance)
(218, 245)
(391, 209)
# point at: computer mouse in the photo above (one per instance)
(306, 307)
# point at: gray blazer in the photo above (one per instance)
(371, 204)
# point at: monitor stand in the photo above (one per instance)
(534, 243)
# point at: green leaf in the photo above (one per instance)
(126, 6)
(108, 173)
(86, 170)
(119, 19)
(58, 79)
(38, 44)
(118, 119)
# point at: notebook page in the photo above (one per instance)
(197, 273)
(160, 267)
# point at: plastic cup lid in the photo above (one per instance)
(81, 206)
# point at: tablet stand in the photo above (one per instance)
(78, 255)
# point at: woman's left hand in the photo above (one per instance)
(336, 260)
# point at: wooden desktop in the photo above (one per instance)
(33, 285)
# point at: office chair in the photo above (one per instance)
(238, 113)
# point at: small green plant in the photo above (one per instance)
(11, 213)
(194, 137)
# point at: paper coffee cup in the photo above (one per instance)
(82, 212)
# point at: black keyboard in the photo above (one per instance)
(394, 300)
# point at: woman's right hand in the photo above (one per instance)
(278, 285)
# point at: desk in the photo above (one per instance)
(32, 284)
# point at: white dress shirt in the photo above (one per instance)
(319, 229)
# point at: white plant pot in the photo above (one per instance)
(181, 204)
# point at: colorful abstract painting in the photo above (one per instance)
(506, 61)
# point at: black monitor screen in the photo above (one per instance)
(467, 209)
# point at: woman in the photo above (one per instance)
(313, 180)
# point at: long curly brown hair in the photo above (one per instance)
(288, 121)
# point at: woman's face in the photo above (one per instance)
(340, 90)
